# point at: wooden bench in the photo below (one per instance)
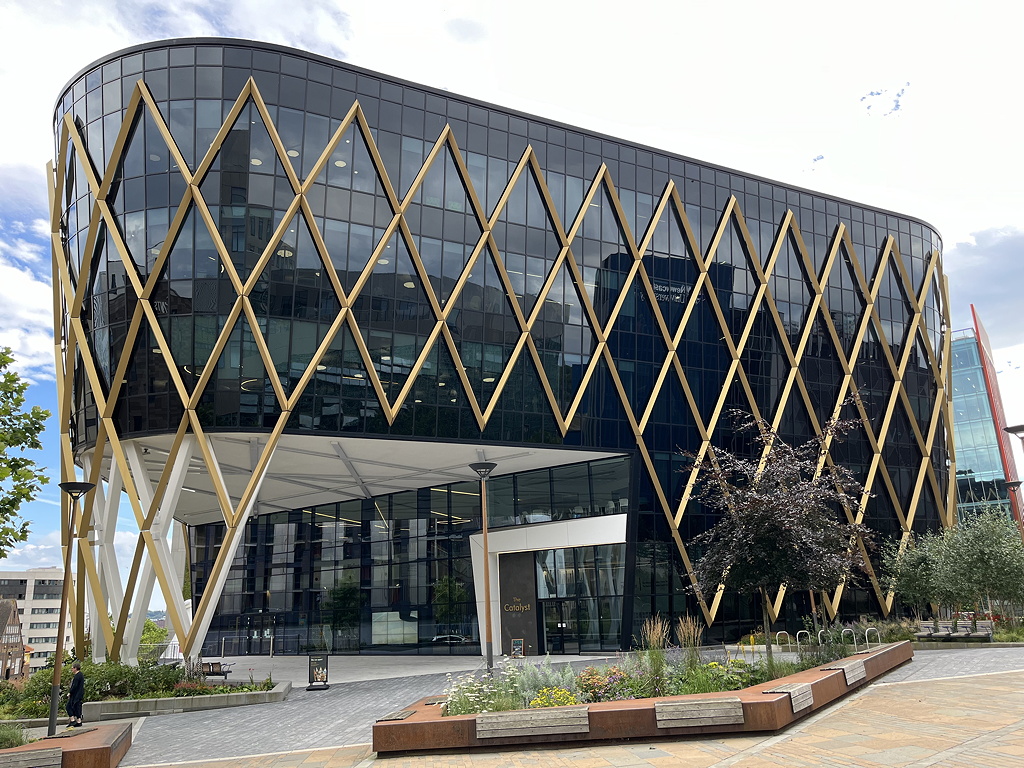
(723, 710)
(216, 669)
(853, 670)
(36, 758)
(801, 696)
(963, 630)
(533, 722)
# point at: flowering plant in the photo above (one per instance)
(553, 697)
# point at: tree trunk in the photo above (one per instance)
(767, 628)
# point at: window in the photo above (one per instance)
(42, 639)
(45, 610)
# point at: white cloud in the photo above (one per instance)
(44, 551)
(26, 322)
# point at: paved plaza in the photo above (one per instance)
(945, 708)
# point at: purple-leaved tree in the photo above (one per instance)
(785, 516)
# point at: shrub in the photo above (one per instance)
(605, 684)
(191, 688)
(531, 678)
(1007, 634)
(9, 694)
(553, 697)
(11, 735)
(160, 677)
(469, 694)
(112, 680)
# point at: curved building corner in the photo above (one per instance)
(296, 299)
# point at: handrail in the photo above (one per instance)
(878, 637)
(842, 635)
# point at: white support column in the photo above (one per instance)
(159, 556)
(96, 604)
(232, 538)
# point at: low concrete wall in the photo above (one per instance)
(97, 711)
(422, 727)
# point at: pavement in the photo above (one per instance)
(945, 708)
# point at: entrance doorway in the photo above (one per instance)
(561, 631)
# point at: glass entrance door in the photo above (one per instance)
(561, 632)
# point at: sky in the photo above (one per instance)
(909, 106)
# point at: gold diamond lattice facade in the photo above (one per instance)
(293, 300)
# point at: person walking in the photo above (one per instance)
(76, 696)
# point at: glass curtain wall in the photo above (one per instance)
(394, 573)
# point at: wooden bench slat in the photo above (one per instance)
(854, 671)
(801, 696)
(718, 711)
(400, 714)
(491, 725)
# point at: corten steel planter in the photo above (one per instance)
(766, 707)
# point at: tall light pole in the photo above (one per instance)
(484, 469)
(75, 490)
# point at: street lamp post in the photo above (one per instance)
(75, 490)
(484, 469)
(1013, 486)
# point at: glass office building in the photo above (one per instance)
(297, 299)
(984, 457)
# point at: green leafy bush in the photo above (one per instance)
(191, 688)
(1007, 634)
(160, 677)
(9, 694)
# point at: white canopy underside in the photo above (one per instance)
(307, 470)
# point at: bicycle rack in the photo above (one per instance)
(789, 638)
(802, 632)
(842, 636)
(878, 637)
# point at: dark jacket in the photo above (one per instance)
(77, 692)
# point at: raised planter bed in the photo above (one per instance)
(98, 711)
(766, 707)
(100, 747)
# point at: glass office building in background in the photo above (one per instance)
(984, 455)
(297, 299)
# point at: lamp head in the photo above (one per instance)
(483, 468)
(1013, 485)
(76, 490)
(1017, 430)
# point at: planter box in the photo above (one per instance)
(766, 707)
(97, 711)
(102, 746)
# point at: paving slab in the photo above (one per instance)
(946, 708)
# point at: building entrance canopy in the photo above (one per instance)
(306, 470)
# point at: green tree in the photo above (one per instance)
(153, 643)
(910, 571)
(979, 560)
(780, 516)
(982, 558)
(20, 479)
